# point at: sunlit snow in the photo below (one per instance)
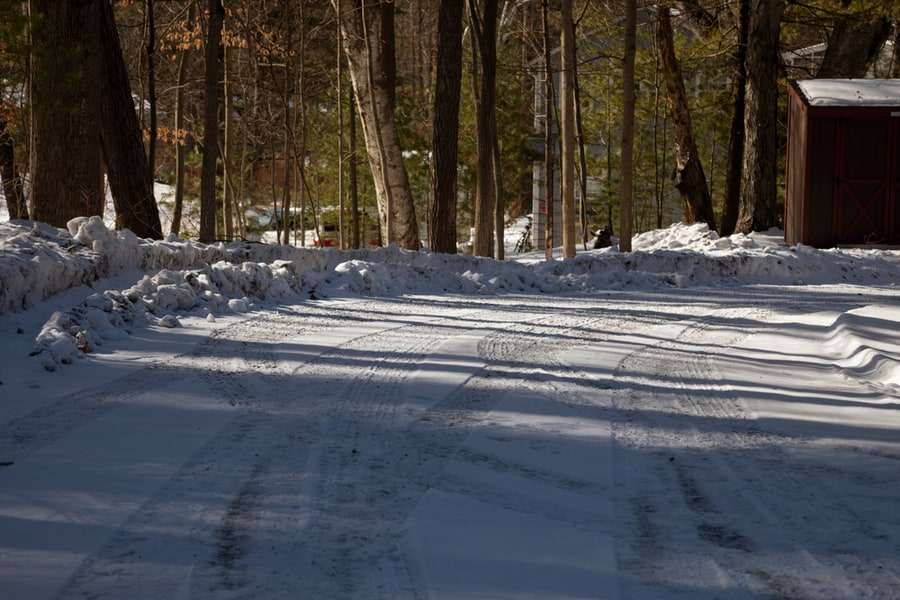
(702, 417)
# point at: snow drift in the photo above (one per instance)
(175, 276)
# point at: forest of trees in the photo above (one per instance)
(414, 121)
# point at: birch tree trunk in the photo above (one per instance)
(361, 30)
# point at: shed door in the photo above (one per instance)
(864, 196)
(894, 151)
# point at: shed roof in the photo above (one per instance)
(850, 92)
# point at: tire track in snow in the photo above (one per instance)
(733, 483)
(203, 501)
(777, 468)
(530, 467)
(373, 463)
(671, 518)
(267, 507)
(45, 425)
(370, 465)
(280, 502)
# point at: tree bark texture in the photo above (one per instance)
(854, 43)
(229, 209)
(759, 192)
(130, 179)
(499, 199)
(211, 82)
(626, 180)
(734, 168)
(182, 136)
(690, 180)
(353, 178)
(389, 49)
(582, 161)
(361, 36)
(150, 52)
(548, 131)
(13, 189)
(567, 129)
(484, 26)
(66, 180)
(82, 107)
(445, 130)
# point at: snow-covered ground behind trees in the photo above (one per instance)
(702, 417)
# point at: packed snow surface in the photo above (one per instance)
(702, 417)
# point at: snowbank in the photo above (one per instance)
(175, 277)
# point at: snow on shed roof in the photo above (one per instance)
(850, 92)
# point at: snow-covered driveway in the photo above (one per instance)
(711, 443)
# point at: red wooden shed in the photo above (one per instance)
(843, 162)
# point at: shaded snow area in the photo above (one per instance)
(702, 417)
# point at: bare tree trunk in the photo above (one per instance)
(361, 32)
(225, 150)
(445, 137)
(855, 41)
(626, 185)
(548, 132)
(759, 192)
(689, 177)
(658, 161)
(484, 33)
(389, 49)
(736, 137)
(212, 77)
(499, 200)
(567, 130)
(287, 155)
(354, 181)
(182, 137)
(582, 161)
(130, 180)
(65, 146)
(287, 223)
(12, 181)
(150, 50)
(82, 105)
(340, 111)
(180, 150)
